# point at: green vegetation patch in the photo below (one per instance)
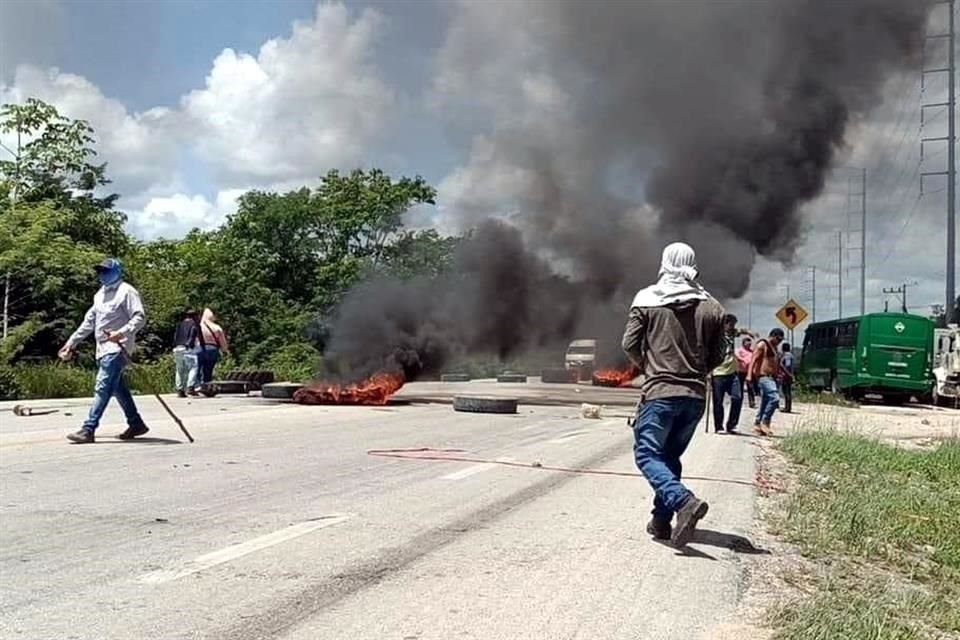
(882, 524)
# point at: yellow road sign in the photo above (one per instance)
(791, 314)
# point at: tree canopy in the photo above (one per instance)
(273, 272)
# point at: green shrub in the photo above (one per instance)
(152, 377)
(296, 362)
(53, 381)
(9, 389)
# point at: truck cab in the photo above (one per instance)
(582, 356)
(946, 366)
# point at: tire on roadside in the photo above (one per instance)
(476, 404)
(280, 390)
(454, 377)
(231, 387)
(559, 376)
(512, 377)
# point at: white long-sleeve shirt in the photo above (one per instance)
(115, 308)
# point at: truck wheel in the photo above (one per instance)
(468, 404)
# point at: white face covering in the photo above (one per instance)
(677, 279)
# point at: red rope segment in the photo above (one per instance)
(442, 455)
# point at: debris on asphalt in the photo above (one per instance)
(591, 411)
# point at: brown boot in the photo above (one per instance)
(687, 517)
(659, 528)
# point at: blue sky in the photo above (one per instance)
(187, 125)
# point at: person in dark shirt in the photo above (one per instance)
(786, 377)
(185, 342)
(675, 335)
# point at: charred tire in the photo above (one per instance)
(559, 376)
(512, 377)
(454, 377)
(231, 386)
(280, 390)
(469, 404)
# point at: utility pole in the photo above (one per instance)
(900, 292)
(863, 242)
(839, 274)
(950, 139)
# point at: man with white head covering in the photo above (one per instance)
(675, 335)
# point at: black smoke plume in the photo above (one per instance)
(608, 129)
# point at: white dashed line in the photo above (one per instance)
(239, 550)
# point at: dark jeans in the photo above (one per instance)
(750, 389)
(207, 359)
(661, 433)
(723, 385)
(786, 388)
(111, 384)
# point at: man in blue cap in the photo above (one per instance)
(114, 319)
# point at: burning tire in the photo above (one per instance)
(468, 404)
(280, 390)
(512, 377)
(454, 377)
(559, 376)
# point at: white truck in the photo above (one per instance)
(946, 366)
(582, 356)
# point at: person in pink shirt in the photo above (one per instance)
(744, 355)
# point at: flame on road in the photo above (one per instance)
(375, 390)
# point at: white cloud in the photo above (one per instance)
(303, 105)
(168, 217)
(139, 147)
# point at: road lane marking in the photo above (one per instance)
(241, 549)
(567, 436)
(475, 469)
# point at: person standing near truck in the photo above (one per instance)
(114, 319)
(674, 334)
(764, 369)
(744, 358)
(786, 377)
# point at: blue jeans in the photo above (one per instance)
(187, 370)
(661, 433)
(769, 399)
(110, 383)
(208, 359)
(723, 385)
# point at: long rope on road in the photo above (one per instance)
(458, 455)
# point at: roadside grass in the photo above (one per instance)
(882, 525)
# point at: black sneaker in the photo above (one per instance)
(733, 431)
(659, 529)
(133, 432)
(181, 393)
(84, 436)
(687, 516)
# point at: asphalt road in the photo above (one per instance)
(277, 523)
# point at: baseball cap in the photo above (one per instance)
(108, 264)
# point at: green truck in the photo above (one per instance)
(886, 354)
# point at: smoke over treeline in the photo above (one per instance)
(610, 129)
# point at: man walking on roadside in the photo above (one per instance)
(786, 377)
(726, 380)
(764, 370)
(114, 319)
(674, 334)
(185, 341)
